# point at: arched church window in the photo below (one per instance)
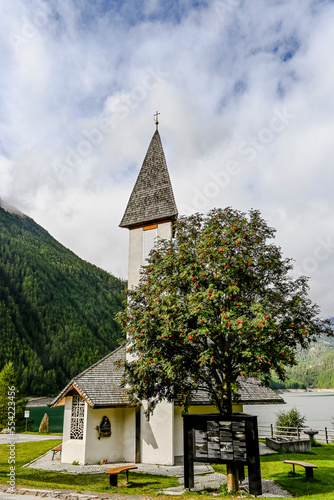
(77, 417)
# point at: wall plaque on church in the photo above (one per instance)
(104, 429)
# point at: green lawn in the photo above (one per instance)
(320, 487)
(33, 478)
(272, 467)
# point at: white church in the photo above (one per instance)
(99, 422)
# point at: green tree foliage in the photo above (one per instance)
(12, 399)
(215, 304)
(291, 418)
(56, 310)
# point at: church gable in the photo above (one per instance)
(100, 384)
(152, 197)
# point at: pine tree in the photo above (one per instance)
(12, 399)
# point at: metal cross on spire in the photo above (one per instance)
(155, 117)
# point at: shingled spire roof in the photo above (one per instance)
(152, 197)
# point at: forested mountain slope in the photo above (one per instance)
(315, 367)
(56, 310)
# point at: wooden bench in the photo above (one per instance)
(56, 449)
(308, 467)
(113, 473)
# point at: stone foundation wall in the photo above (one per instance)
(294, 445)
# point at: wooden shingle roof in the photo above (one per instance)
(100, 386)
(152, 198)
(251, 392)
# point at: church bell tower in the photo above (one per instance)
(150, 213)
(151, 210)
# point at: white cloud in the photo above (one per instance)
(79, 87)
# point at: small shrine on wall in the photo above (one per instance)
(104, 429)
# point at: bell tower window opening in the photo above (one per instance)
(77, 417)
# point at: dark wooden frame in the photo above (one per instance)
(252, 454)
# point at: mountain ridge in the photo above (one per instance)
(314, 368)
(56, 310)
(10, 208)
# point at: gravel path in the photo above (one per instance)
(45, 462)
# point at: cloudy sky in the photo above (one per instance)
(246, 95)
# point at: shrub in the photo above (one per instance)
(276, 384)
(294, 384)
(291, 418)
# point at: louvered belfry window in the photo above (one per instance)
(77, 417)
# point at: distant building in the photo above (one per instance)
(97, 393)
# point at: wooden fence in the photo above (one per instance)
(324, 435)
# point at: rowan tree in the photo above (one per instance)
(215, 304)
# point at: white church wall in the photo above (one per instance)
(73, 450)
(67, 419)
(157, 442)
(178, 432)
(129, 433)
(165, 230)
(106, 448)
(136, 237)
(135, 255)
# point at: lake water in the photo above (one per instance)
(317, 407)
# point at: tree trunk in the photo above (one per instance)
(232, 478)
(227, 396)
(232, 470)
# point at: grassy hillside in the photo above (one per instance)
(56, 310)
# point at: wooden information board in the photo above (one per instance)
(227, 439)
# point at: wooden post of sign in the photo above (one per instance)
(189, 455)
(253, 456)
(232, 477)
